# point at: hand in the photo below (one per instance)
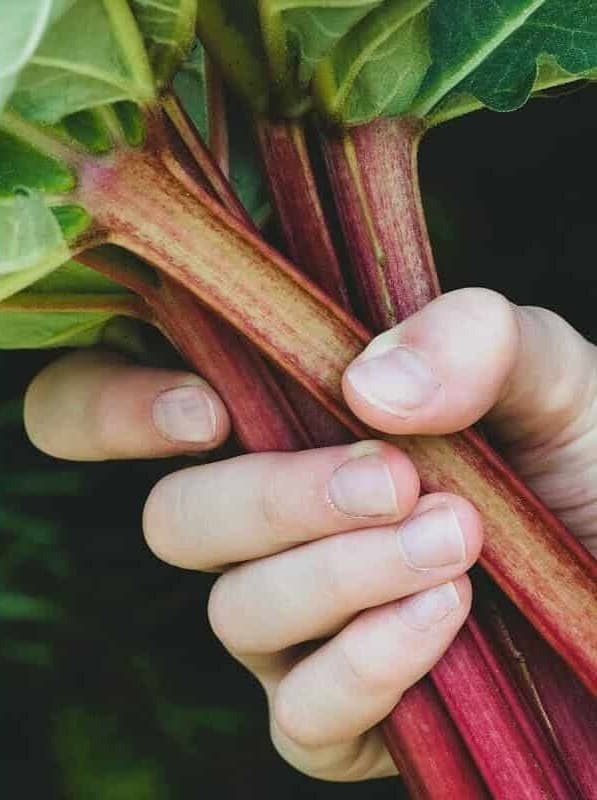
(376, 609)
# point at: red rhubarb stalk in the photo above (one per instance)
(408, 278)
(262, 418)
(295, 197)
(373, 170)
(510, 748)
(139, 205)
(428, 749)
(421, 737)
(563, 705)
(375, 180)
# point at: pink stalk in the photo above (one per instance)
(295, 198)
(375, 180)
(420, 735)
(428, 749)
(262, 418)
(563, 705)
(409, 278)
(507, 743)
(374, 175)
(138, 204)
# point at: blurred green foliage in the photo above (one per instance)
(112, 685)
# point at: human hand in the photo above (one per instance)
(290, 529)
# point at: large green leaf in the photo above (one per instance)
(92, 55)
(46, 326)
(494, 51)
(377, 69)
(27, 21)
(32, 242)
(230, 31)
(169, 28)
(298, 34)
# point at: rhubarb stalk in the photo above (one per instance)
(420, 735)
(139, 204)
(371, 194)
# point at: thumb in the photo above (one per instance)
(472, 353)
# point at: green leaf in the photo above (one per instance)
(35, 330)
(299, 34)
(377, 69)
(92, 55)
(230, 31)
(246, 174)
(493, 52)
(169, 29)
(190, 85)
(33, 244)
(23, 165)
(44, 326)
(26, 21)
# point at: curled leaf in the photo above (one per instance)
(169, 28)
(26, 21)
(92, 55)
(299, 34)
(246, 175)
(230, 32)
(32, 242)
(377, 69)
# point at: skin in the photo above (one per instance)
(287, 533)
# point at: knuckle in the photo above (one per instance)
(288, 718)
(272, 504)
(103, 432)
(367, 675)
(160, 522)
(333, 572)
(491, 309)
(40, 435)
(218, 613)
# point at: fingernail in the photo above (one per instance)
(433, 539)
(185, 414)
(364, 488)
(398, 381)
(425, 610)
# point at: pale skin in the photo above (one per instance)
(335, 547)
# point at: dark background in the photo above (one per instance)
(111, 683)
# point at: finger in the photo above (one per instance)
(466, 353)
(472, 352)
(439, 371)
(317, 588)
(368, 666)
(258, 505)
(94, 406)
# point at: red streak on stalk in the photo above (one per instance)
(296, 200)
(143, 208)
(565, 708)
(505, 739)
(428, 749)
(218, 141)
(385, 231)
(308, 243)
